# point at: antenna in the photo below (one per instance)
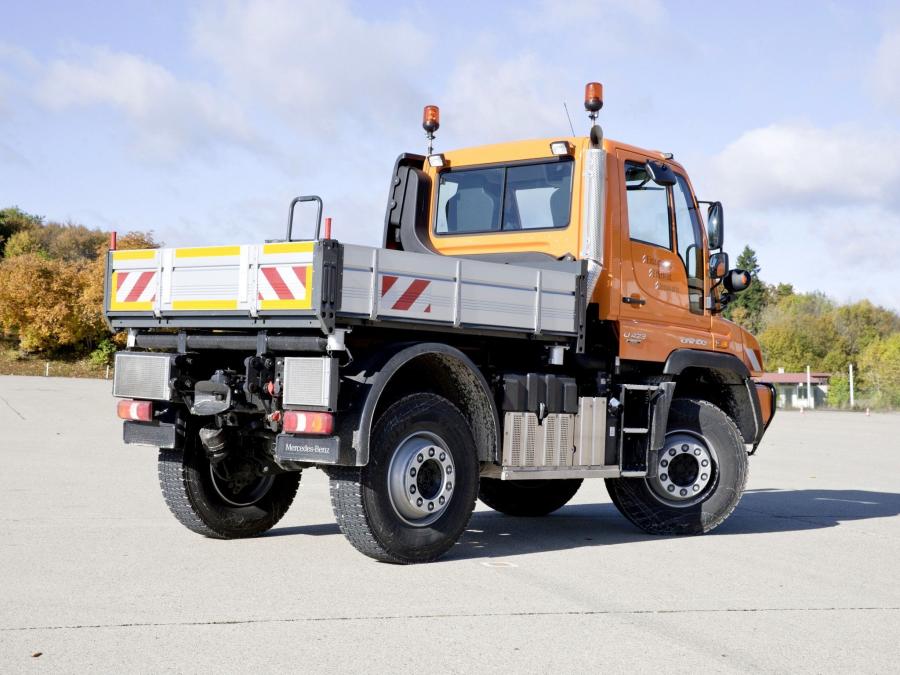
(569, 117)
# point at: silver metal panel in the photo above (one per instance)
(310, 382)
(590, 439)
(142, 376)
(526, 443)
(557, 473)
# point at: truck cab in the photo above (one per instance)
(539, 313)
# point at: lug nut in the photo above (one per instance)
(449, 486)
(705, 462)
(412, 489)
(442, 500)
(697, 451)
(431, 452)
(419, 502)
(703, 476)
(420, 458)
(443, 456)
(671, 488)
(431, 506)
(412, 471)
(683, 492)
(664, 463)
(684, 447)
(672, 452)
(664, 476)
(449, 470)
(696, 487)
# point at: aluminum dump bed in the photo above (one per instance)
(324, 283)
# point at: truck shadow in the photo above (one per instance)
(492, 534)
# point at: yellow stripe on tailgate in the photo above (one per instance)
(286, 304)
(289, 247)
(208, 252)
(204, 304)
(134, 254)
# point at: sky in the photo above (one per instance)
(201, 120)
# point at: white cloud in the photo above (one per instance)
(169, 116)
(884, 78)
(321, 66)
(805, 166)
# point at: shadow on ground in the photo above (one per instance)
(492, 534)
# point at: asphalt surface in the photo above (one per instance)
(96, 575)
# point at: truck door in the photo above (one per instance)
(664, 286)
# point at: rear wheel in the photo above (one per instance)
(701, 472)
(527, 497)
(233, 498)
(413, 499)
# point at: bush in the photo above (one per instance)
(105, 353)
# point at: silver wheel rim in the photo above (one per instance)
(421, 478)
(686, 470)
(230, 497)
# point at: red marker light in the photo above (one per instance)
(135, 411)
(319, 423)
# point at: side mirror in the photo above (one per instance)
(660, 174)
(737, 280)
(715, 225)
(718, 265)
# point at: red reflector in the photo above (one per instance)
(138, 411)
(308, 422)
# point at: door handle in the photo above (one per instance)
(634, 300)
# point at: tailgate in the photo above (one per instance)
(265, 284)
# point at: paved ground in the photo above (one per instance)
(96, 575)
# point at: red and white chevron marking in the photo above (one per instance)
(405, 296)
(136, 286)
(283, 282)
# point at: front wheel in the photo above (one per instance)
(231, 499)
(700, 474)
(413, 499)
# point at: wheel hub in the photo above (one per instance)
(420, 479)
(685, 468)
(240, 486)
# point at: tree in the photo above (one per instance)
(879, 369)
(747, 306)
(13, 220)
(57, 241)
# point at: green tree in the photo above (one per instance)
(746, 307)
(13, 220)
(879, 370)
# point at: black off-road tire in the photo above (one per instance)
(640, 504)
(361, 499)
(186, 484)
(530, 498)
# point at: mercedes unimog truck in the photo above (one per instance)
(538, 313)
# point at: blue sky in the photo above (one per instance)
(201, 120)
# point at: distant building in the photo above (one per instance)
(792, 391)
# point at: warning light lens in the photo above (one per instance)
(437, 161)
(593, 96)
(431, 118)
(135, 411)
(296, 422)
(560, 148)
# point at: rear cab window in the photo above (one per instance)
(512, 198)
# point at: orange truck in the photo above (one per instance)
(538, 313)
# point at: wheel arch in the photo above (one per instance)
(402, 369)
(723, 380)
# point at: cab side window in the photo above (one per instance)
(648, 208)
(690, 242)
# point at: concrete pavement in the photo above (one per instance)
(97, 575)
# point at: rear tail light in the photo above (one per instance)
(308, 422)
(136, 411)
